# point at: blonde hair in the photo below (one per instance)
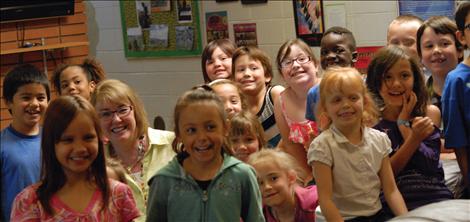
(115, 91)
(281, 159)
(333, 81)
(245, 122)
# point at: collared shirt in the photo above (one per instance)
(355, 169)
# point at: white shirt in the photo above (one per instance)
(355, 168)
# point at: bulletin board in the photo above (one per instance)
(161, 28)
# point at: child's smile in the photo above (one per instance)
(202, 132)
(397, 82)
(77, 147)
(438, 51)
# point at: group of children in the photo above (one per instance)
(245, 150)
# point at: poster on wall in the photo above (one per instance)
(216, 25)
(135, 41)
(143, 13)
(245, 34)
(159, 35)
(184, 37)
(426, 9)
(364, 56)
(309, 21)
(160, 5)
(184, 11)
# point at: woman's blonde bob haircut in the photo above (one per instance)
(117, 92)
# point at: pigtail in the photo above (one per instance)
(94, 69)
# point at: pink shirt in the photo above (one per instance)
(306, 201)
(27, 207)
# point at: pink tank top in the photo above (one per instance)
(299, 132)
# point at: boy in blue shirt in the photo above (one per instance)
(456, 100)
(26, 93)
(337, 48)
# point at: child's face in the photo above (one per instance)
(28, 106)
(244, 145)
(230, 97)
(275, 184)
(202, 132)
(73, 81)
(345, 106)
(403, 34)
(250, 74)
(438, 52)
(335, 51)
(296, 74)
(219, 66)
(117, 120)
(396, 83)
(464, 37)
(77, 147)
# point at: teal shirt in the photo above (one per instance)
(233, 194)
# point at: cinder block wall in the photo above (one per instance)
(159, 81)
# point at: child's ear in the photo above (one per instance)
(461, 37)
(92, 85)
(354, 57)
(292, 176)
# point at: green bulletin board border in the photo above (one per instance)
(165, 53)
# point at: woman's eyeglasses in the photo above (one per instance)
(121, 112)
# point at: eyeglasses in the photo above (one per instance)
(301, 60)
(121, 112)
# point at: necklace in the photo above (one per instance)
(140, 156)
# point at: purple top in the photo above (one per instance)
(422, 179)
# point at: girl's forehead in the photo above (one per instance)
(73, 69)
(225, 87)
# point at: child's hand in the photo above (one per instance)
(409, 102)
(421, 127)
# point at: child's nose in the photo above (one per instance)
(436, 49)
(200, 135)
(241, 146)
(266, 186)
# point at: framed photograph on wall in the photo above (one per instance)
(309, 20)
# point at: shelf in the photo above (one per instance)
(43, 47)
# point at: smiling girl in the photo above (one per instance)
(74, 184)
(203, 182)
(78, 79)
(298, 67)
(350, 160)
(395, 79)
(217, 60)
